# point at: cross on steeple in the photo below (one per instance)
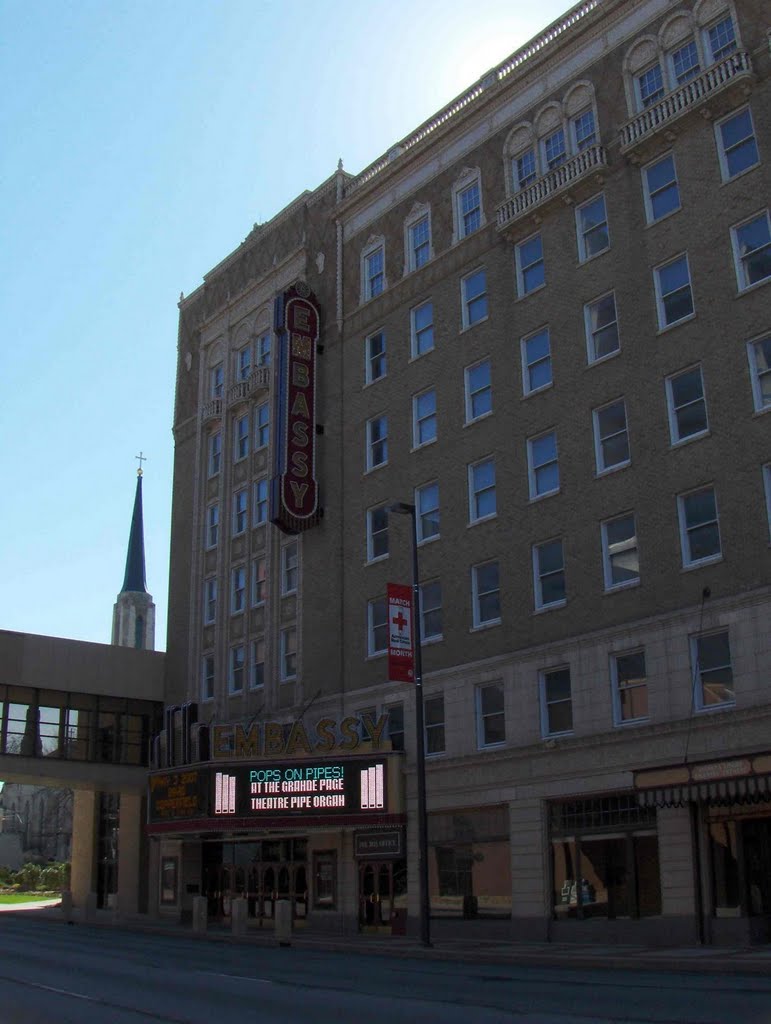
(142, 458)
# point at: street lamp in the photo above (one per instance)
(403, 508)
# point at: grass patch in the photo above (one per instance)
(27, 897)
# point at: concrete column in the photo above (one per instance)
(83, 875)
(129, 852)
(529, 874)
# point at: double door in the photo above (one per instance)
(383, 896)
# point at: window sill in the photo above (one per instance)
(289, 679)
(763, 411)
(554, 606)
(258, 604)
(481, 747)
(632, 721)
(480, 627)
(739, 174)
(615, 587)
(415, 356)
(602, 359)
(702, 562)
(429, 540)
(595, 256)
(675, 323)
(687, 440)
(374, 469)
(235, 693)
(753, 287)
(469, 327)
(537, 391)
(375, 380)
(482, 416)
(424, 444)
(377, 654)
(378, 558)
(427, 641)
(727, 705)
(481, 519)
(549, 736)
(599, 473)
(526, 295)
(660, 220)
(256, 526)
(540, 497)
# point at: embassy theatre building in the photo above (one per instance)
(541, 319)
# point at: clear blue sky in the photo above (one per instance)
(139, 142)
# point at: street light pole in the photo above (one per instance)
(403, 508)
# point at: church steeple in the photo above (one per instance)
(133, 619)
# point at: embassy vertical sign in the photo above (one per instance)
(294, 493)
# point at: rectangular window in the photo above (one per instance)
(660, 189)
(260, 501)
(431, 611)
(212, 525)
(759, 355)
(543, 465)
(209, 601)
(216, 381)
(722, 38)
(611, 436)
(556, 702)
(374, 273)
(289, 568)
(377, 532)
(530, 266)
(712, 671)
(592, 228)
(215, 453)
(261, 425)
(630, 687)
(549, 574)
(375, 357)
(396, 726)
(554, 149)
(259, 581)
(491, 718)
(481, 490)
(469, 210)
(420, 243)
(241, 438)
(699, 526)
(474, 291)
(257, 664)
(238, 589)
(601, 324)
(674, 299)
(685, 63)
(478, 390)
(650, 86)
(207, 677)
(620, 557)
(288, 648)
(377, 442)
(244, 363)
(424, 418)
(377, 626)
(584, 133)
(752, 251)
(239, 512)
(236, 669)
(486, 594)
(422, 323)
(536, 361)
(263, 350)
(427, 511)
(434, 719)
(686, 405)
(524, 167)
(736, 144)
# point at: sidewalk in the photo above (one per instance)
(699, 959)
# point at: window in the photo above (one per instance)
(601, 324)
(422, 323)
(584, 133)
(209, 601)
(374, 273)
(478, 390)
(427, 511)
(530, 268)
(238, 589)
(536, 361)
(215, 453)
(736, 144)
(207, 677)
(554, 149)
(611, 437)
(241, 438)
(431, 611)
(236, 669)
(549, 574)
(767, 486)
(486, 594)
(524, 168)
(257, 664)
(752, 251)
(259, 581)
(686, 405)
(685, 63)
(260, 501)
(721, 38)
(592, 228)
(630, 687)
(649, 86)
(212, 525)
(263, 350)
(473, 289)
(377, 533)
(244, 362)
(542, 464)
(375, 357)
(556, 702)
(491, 719)
(660, 189)
(216, 381)
(699, 527)
(713, 678)
(377, 626)
(396, 726)
(424, 418)
(620, 557)
(434, 719)
(759, 354)
(377, 442)
(288, 653)
(239, 512)
(419, 243)
(481, 490)
(674, 299)
(289, 568)
(469, 210)
(261, 425)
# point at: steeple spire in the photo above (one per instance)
(133, 617)
(134, 580)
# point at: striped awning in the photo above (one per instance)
(743, 780)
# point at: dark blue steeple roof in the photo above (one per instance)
(134, 580)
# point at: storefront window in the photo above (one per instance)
(470, 863)
(324, 879)
(725, 868)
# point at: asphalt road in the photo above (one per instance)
(54, 973)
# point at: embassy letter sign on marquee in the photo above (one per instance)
(294, 492)
(401, 659)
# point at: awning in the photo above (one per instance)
(743, 780)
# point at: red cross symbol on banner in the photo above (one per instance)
(400, 622)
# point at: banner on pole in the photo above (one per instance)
(401, 652)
